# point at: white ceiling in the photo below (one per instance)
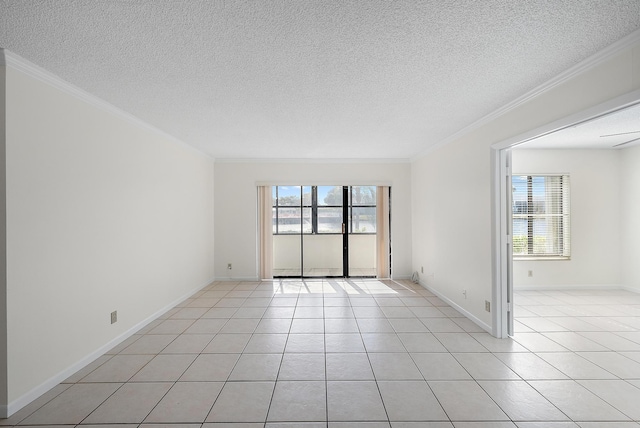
(308, 78)
(617, 130)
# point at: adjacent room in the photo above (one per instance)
(575, 249)
(288, 214)
(581, 231)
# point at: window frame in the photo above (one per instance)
(529, 215)
(276, 208)
(352, 206)
(314, 205)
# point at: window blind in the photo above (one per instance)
(541, 216)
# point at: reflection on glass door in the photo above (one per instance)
(324, 231)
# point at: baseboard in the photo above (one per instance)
(631, 289)
(561, 287)
(238, 278)
(569, 287)
(33, 394)
(458, 308)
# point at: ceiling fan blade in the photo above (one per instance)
(627, 142)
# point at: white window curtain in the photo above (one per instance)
(265, 226)
(382, 232)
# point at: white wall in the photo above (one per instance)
(451, 186)
(630, 213)
(595, 218)
(236, 207)
(102, 215)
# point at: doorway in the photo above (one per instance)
(503, 206)
(327, 231)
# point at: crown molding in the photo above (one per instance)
(16, 62)
(588, 64)
(314, 160)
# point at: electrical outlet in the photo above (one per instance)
(421, 269)
(114, 317)
(530, 273)
(229, 266)
(487, 306)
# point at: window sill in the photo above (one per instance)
(540, 258)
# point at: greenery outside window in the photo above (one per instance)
(291, 212)
(318, 209)
(362, 209)
(541, 217)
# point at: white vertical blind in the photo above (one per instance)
(382, 232)
(265, 225)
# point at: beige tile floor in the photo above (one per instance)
(338, 354)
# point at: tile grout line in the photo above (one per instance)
(447, 315)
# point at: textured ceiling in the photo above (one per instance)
(311, 79)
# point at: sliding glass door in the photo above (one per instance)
(362, 230)
(324, 231)
(291, 220)
(323, 247)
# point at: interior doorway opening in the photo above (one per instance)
(502, 206)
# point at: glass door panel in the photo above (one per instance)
(362, 230)
(322, 255)
(288, 225)
(362, 255)
(322, 248)
(286, 256)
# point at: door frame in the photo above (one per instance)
(345, 231)
(502, 257)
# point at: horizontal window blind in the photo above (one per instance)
(541, 216)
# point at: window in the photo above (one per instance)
(291, 210)
(362, 209)
(541, 216)
(319, 209)
(328, 209)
